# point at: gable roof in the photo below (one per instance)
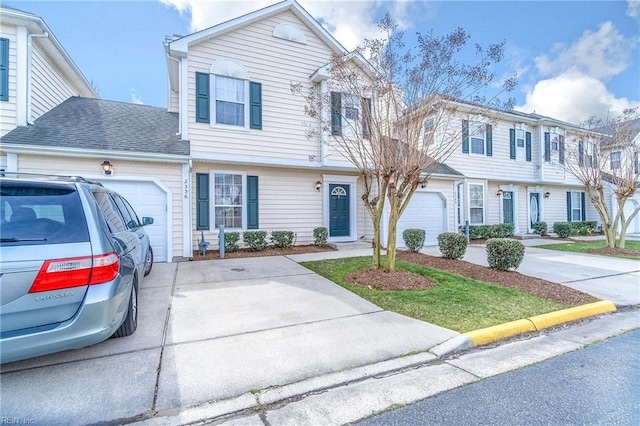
(101, 125)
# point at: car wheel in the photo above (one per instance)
(130, 323)
(148, 262)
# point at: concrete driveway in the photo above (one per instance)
(209, 331)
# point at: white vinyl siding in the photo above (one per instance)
(49, 87)
(8, 109)
(174, 101)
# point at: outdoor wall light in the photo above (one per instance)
(499, 193)
(318, 186)
(547, 194)
(107, 167)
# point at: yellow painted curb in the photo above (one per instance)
(499, 332)
(560, 317)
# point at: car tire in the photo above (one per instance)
(148, 261)
(130, 323)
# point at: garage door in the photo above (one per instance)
(425, 211)
(629, 207)
(148, 199)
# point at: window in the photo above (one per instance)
(615, 160)
(477, 135)
(476, 204)
(576, 211)
(4, 69)
(110, 212)
(347, 116)
(229, 101)
(228, 200)
(429, 127)
(554, 146)
(520, 154)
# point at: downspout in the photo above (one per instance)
(29, 85)
(179, 103)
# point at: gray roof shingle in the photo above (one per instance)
(99, 124)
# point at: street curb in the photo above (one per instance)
(536, 323)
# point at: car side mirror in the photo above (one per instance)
(147, 221)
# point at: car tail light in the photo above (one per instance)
(57, 274)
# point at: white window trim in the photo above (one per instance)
(579, 206)
(472, 135)
(212, 104)
(484, 203)
(212, 198)
(521, 153)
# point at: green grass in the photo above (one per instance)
(455, 302)
(585, 246)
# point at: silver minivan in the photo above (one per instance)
(72, 257)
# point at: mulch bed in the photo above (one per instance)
(513, 279)
(377, 279)
(269, 251)
(615, 251)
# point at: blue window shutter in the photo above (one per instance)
(636, 165)
(252, 202)
(202, 97)
(202, 201)
(512, 144)
(489, 131)
(580, 153)
(561, 149)
(465, 136)
(336, 113)
(547, 146)
(255, 99)
(568, 206)
(527, 138)
(4, 69)
(583, 209)
(366, 118)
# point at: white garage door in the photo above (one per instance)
(426, 210)
(150, 200)
(629, 207)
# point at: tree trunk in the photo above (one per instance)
(377, 243)
(390, 264)
(623, 235)
(610, 235)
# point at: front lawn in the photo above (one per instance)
(631, 250)
(455, 302)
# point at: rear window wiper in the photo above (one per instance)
(17, 240)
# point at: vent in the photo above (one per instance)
(289, 32)
(229, 68)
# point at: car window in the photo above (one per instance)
(35, 213)
(110, 212)
(131, 211)
(131, 221)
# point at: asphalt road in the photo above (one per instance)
(596, 385)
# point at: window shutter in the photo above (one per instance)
(4, 69)
(202, 201)
(568, 206)
(561, 149)
(547, 146)
(580, 153)
(465, 136)
(202, 97)
(527, 138)
(336, 116)
(252, 202)
(366, 118)
(636, 165)
(489, 131)
(583, 205)
(255, 99)
(512, 144)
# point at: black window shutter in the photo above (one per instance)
(255, 101)
(4, 69)
(561, 149)
(547, 146)
(202, 97)
(583, 206)
(202, 201)
(527, 137)
(568, 206)
(512, 144)
(580, 153)
(252, 202)
(489, 130)
(366, 118)
(465, 136)
(336, 113)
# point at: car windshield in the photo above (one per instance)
(36, 213)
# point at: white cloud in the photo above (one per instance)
(633, 8)
(350, 22)
(600, 54)
(574, 97)
(135, 98)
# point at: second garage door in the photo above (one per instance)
(426, 210)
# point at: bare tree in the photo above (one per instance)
(390, 114)
(605, 155)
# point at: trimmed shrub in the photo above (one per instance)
(501, 230)
(540, 228)
(562, 229)
(231, 241)
(504, 253)
(320, 235)
(414, 238)
(452, 245)
(282, 239)
(255, 240)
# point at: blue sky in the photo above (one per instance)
(574, 58)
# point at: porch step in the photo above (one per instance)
(358, 245)
(527, 237)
